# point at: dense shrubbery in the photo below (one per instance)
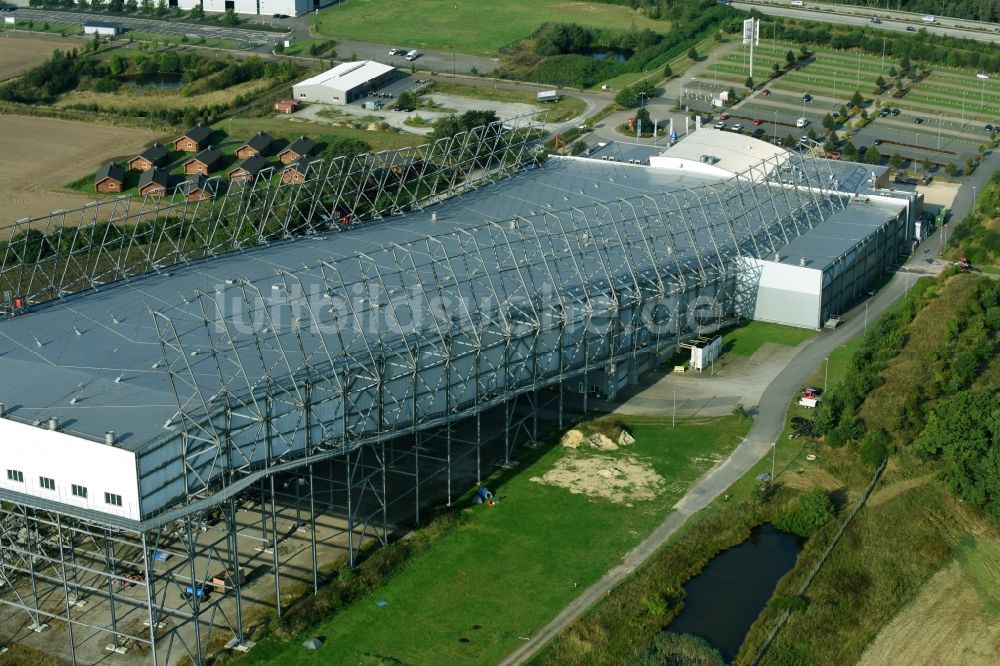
(42, 84)
(681, 649)
(631, 95)
(561, 53)
(811, 511)
(977, 237)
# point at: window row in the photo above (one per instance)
(50, 484)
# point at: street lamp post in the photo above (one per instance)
(775, 125)
(826, 372)
(642, 100)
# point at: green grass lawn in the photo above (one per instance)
(746, 340)
(566, 108)
(511, 568)
(466, 27)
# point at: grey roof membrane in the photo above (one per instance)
(95, 361)
(825, 243)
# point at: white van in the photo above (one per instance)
(929, 19)
(798, 3)
(801, 122)
(413, 55)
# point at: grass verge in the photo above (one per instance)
(509, 569)
(746, 340)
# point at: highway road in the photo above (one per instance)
(891, 20)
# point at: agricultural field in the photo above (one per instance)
(954, 619)
(467, 27)
(567, 515)
(51, 153)
(20, 53)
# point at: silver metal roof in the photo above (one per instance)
(96, 360)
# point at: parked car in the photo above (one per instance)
(877, 142)
(765, 92)
(850, 104)
(757, 133)
(738, 127)
(929, 19)
(910, 28)
(397, 52)
(757, 122)
(895, 111)
(988, 128)
(918, 120)
(720, 125)
(807, 97)
(798, 3)
(723, 116)
(413, 55)
(279, 16)
(801, 122)
(876, 20)
(884, 112)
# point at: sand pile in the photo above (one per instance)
(624, 479)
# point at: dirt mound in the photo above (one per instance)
(572, 439)
(623, 480)
(625, 438)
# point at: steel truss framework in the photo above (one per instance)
(67, 252)
(328, 400)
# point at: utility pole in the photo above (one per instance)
(826, 372)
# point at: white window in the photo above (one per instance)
(79, 491)
(15, 475)
(47, 483)
(112, 499)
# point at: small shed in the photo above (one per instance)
(197, 188)
(103, 28)
(194, 139)
(109, 178)
(296, 171)
(204, 162)
(154, 182)
(286, 106)
(153, 156)
(247, 170)
(301, 147)
(258, 144)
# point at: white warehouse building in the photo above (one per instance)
(344, 83)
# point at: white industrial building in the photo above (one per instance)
(813, 277)
(102, 28)
(344, 83)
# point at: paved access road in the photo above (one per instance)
(891, 20)
(766, 428)
(255, 38)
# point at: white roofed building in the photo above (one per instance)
(344, 83)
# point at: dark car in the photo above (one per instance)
(8, 8)
(883, 113)
(279, 16)
(877, 142)
(807, 97)
(757, 133)
(850, 105)
(876, 20)
(910, 28)
(918, 120)
(988, 128)
(895, 112)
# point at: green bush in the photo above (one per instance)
(792, 602)
(875, 447)
(681, 649)
(811, 511)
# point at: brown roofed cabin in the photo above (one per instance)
(204, 162)
(258, 144)
(247, 170)
(153, 156)
(296, 171)
(154, 182)
(109, 178)
(197, 188)
(301, 147)
(286, 106)
(193, 140)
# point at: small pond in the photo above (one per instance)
(166, 80)
(727, 596)
(614, 55)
